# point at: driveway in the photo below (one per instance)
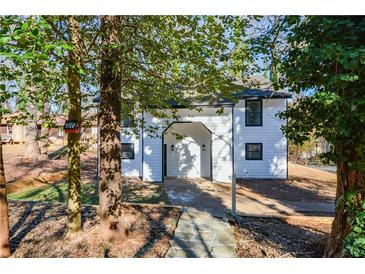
(280, 198)
(197, 193)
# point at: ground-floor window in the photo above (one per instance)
(10, 129)
(127, 151)
(253, 151)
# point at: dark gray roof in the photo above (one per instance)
(262, 93)
(257, 88)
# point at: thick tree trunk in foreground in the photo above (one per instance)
(44, 138)
(32, 149)
(74, 147)
(4, 217)
(44, 141)
(346, 180)
(110, 191)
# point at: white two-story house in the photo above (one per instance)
(245, 140)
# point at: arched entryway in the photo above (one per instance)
(187, 150)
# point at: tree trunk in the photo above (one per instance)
(110, 191)
(44, 138)
(73, 139)
(4, 215)
(32, 149)
(346, 180)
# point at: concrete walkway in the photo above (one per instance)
(201, 235)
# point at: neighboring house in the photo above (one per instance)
(246, 140)
(9, 132)
(13, 133)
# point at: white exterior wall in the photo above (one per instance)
(152, 164)
(274, 163)
(132, 167)
(219, 125)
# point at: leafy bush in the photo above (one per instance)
(355, 241)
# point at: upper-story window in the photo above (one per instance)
(127, 122)
(253, 113)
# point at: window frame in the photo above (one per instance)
(127, 122)
(133, 155)
(9, 129)
(261, 152)
(246, 116)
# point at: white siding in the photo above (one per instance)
(152, 164)
(274, 163)
(219, 125)
(132, 167)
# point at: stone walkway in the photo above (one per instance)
(200, 235)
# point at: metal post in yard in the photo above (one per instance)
(234, 194)
(98, 146)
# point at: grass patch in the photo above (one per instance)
(134, 191)
(57, 193)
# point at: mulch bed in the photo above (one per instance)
(275, 238)
(39, 229)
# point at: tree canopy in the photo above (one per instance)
(324, 57)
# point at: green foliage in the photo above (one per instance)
(326, 55)
(323, 57)
(29, 66)
(161, 59)
(355, 240)
(165, 59)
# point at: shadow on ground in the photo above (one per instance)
(38, 230)
(274, 238)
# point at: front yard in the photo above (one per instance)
(38, 230)
(134, 191)
(38, 214)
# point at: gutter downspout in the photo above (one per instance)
(234, 211)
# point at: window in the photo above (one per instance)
(253, 151)
(10, 129)
(253, 113)
(127, 151)
(127, 122)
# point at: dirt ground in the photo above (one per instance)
(17, 168)
(32, 224)
(304, 183)
(38, 230)
(277, 238)
(137, 191)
